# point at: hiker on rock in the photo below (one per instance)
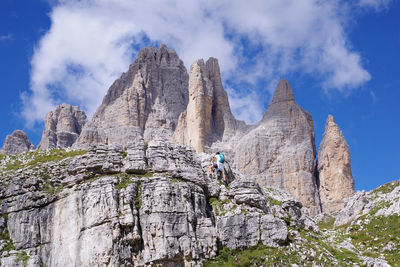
(218, 164)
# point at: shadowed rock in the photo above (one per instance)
(17, 143)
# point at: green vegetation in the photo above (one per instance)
(2, 156)
(218, 205)
(274, 201)
(138, 199)
(387, 188)
(34, 159)
(372, 235)
(326, 223)
(50, 189)
(22, 256)
(5, 236)
(177, 180)
(124, 153)
(123, 181)
(147, 174)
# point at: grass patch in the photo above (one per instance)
(54, 155)
(147, 174)
(123, 181)
(124, 153)
(177, 180)
(50, 189)
(13, 165)
(218, 205)
(22, 256)
(387, 188)
(274, 202)
(5, 236)
(327, 222)
(376, 234)
(2, 156)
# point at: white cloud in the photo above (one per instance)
(375, 4)
(91, 42)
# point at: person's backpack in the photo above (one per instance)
(221, 158)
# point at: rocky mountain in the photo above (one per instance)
(280, 151)
(16, 143)
(62, 127)
(145, 101)
(134, 189)
(334, 169)
(208, 117)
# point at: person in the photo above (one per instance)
(218, 164)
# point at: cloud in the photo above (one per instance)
(375, 4)
(91, 42)
(4, 38)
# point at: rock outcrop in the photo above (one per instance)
(145, 101)
(96, 209)
(62, 127)
(16, 143)
(208, 117)
(334, 170)
(280, 150)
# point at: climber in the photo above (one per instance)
(218, 164)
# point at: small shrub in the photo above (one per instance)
(22, 256)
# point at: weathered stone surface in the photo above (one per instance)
(208, 117)
(145, 101)
(334, 170)
(16, 143)
(280, 150)
(146, 205)
(62, 127)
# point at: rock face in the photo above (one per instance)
(107, 208)
(145, 101)
(208, 117)
(335, 178)
(16, 143)
(280, 150)
(62, 127)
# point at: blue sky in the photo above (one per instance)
(340, 58)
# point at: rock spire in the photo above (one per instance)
(280, 151)
(62, 127)
(208, 116)
(335, 177)
(146, 101)
(16, 143)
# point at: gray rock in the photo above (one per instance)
(353, 206)
(17, 143)
(62, 127)
(280, 151)
(146, 101)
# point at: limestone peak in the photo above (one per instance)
(283, 92)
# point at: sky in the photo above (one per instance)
(340, 57)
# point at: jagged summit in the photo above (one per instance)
(17, 143)
(283, 92)
(144, 102)
(62, 127)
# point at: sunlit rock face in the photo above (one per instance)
(280, 151)
(62, 127)
(336, 181)
(145, 101)
(208, 117)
